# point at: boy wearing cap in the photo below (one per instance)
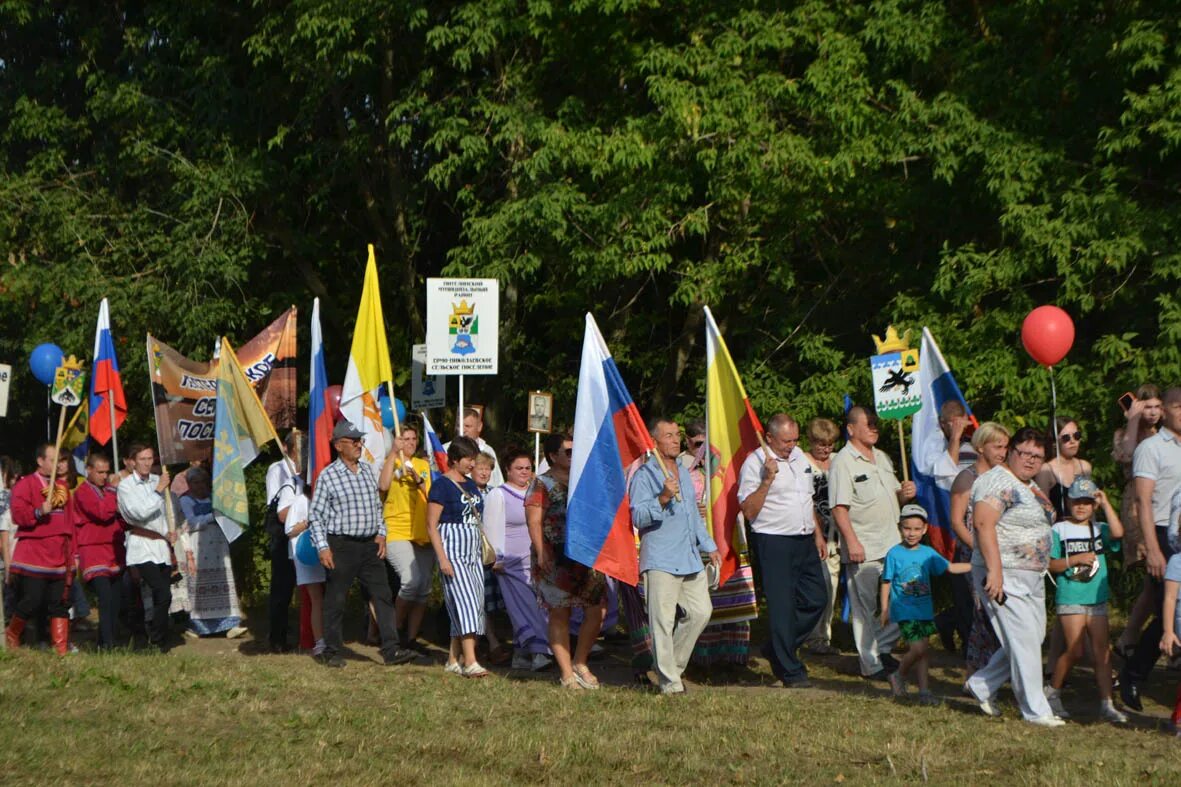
(906, 597)
(1079, 558)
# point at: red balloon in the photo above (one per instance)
(1047, 333)
(333, 392)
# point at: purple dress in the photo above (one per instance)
(530, 621)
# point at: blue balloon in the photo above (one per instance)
(305, 550)
(44, 360)
(387, 415)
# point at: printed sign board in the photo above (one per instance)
(462, 326)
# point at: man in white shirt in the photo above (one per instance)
(946, 452)
(775, 493)
(473, 427)
(149, 540)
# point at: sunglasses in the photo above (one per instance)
(569, 452)
(1071, 437)
(697, 443)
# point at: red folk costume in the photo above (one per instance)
(98, 530)
(44, 546)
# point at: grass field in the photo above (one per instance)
(216, 711)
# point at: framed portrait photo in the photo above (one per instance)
(541, 412)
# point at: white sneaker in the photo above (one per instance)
(236, 632)
(986, 706)
(453, 667)
(318, 648)
(522, 661)
(1108, 712)
(1048, 721)
(541, 662)
(1054, 698)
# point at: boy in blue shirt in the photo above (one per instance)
(906, 598)
(1079, 559)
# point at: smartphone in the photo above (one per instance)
(1125, 401)
(1001, 601)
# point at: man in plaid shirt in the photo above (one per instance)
(348, 531)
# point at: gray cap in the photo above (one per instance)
(1082, 489)
(345, 430)
(913, 509)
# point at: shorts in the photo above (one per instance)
(415, 567)
(1090, 610)
(916, 630)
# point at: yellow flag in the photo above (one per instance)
(370, 354)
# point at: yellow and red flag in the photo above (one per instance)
(733, 431)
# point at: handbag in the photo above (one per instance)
(488, 553)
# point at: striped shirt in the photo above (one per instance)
(345, 503)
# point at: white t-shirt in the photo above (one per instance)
(282, 480)
(788, 509)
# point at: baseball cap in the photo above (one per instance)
(913, 509)
(345, 430)
(1082, 489)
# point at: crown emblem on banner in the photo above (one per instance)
(462, 308)
(892, 343)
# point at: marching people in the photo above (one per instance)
(349, 534)
(42, 560)
(775, 492)
(406, 484)
(213, 593)
(454, 520)
(142, 497)
(562, 583)
(1012, 517)
(1079, 558)
(672, 539)
(100, 540)
(473, 428)
(308, 577)
(284, 485)
(822, 438)
(498, 653)
(866, 498)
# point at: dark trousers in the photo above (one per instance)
(1147, 651)
(158, 578)
(41, 593)
(794, 586)
(282, 585)
(357, 559)
(963, 605)
(107, 589)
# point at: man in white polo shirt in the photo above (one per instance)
(1156, 467)
(865, 497)
(775, 492)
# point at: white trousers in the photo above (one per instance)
(864, 587)
(672, 639)
(832, 576)
(1020, 625)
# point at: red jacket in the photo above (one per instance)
(30, 521)
(95, 513)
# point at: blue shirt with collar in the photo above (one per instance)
(672, 537)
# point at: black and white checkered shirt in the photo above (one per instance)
(345, 503)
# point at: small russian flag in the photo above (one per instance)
(435, 453)
(319, 412)
(106, 385)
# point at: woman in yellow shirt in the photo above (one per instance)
(405, 485)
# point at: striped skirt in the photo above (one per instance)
(464, 592)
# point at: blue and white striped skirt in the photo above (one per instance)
(464, 592)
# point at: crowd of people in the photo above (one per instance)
(1024, 508)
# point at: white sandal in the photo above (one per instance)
(474, 670)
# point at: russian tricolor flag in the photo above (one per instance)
(435, 451)
(608, 436)
(319, 412)
(937, 386)
(108, 408)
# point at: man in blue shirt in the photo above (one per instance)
(672, 538)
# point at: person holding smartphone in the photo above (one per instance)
(1012, 518)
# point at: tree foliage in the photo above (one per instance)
(811, 170)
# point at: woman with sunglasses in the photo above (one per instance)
(1064, 463)
(1012, 521)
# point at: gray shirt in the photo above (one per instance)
(870, 491)
(1158, 458)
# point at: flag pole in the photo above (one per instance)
(459, 414)
(902, 449)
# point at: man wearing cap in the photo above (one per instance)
(348, 531)
(865, 496)
(775, 493)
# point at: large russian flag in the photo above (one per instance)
(937, 386)
(108, 408)
(319, 412)
(733, 431)
(435, 452)
(608, 436)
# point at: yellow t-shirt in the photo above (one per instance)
(405, 506)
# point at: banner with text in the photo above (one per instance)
(184, 391)
(462, 326)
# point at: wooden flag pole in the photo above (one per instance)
(902, 449)
(389, 387)
(57, 446)
(663, 468)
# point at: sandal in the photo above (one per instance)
(474, 670)
(453, 668)
(570, 683)
(585, 678)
